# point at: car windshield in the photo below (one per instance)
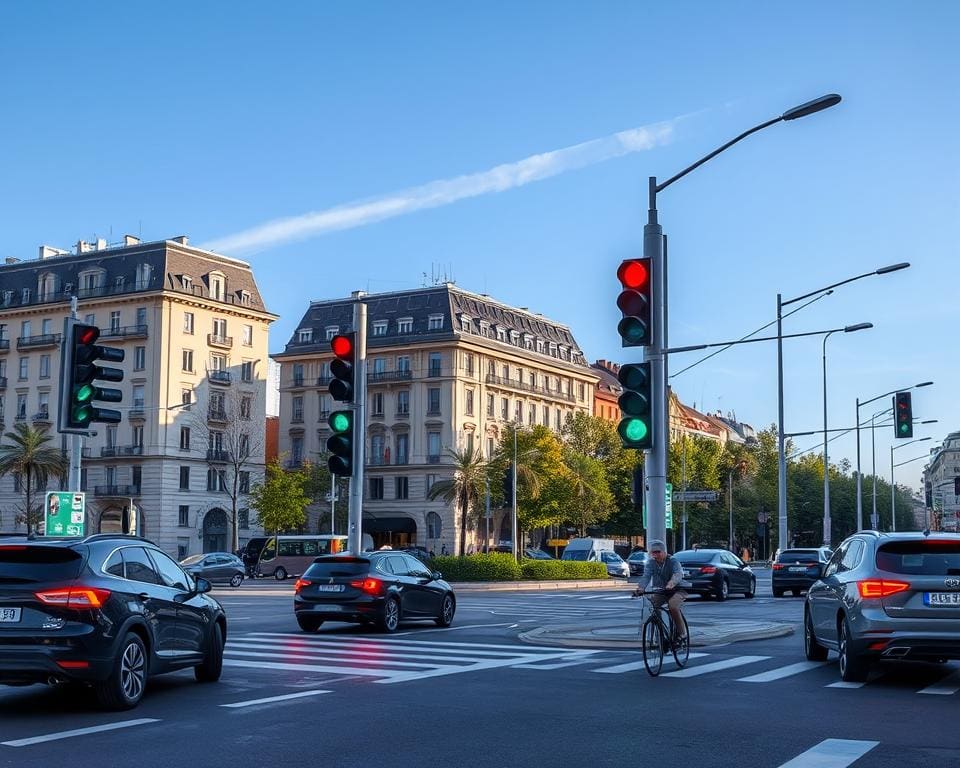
(334, 568)
(192, 559)
(638, 556)
(798, 557)
(694, 556)
(932, 557)
(577, 554)
(23, 564)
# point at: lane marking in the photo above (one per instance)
(781, 672)
(78, 732)
(947, 685)
(271, 699)
(450, 654)
(558, 665)
(716, 666)
(832, 753)
(843, 684)
(388, 640)
(629, 667)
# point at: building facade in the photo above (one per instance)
(194, 331)
(606, 393)
(939, 479)
(446, 369)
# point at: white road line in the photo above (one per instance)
(335, 649)
(843, 684)
(557, 665)
(78, 732)
(330, 669)
(832, 753)
(716, 666)
(947, 685)
(382, 663)
(271, 699)
(389, 640)
(629, 667)
(453, 629)
(780, 672)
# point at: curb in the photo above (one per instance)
(545, 636)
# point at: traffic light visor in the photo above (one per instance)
(632, 329)
(633, 376)
(632, 303)
(88, 334)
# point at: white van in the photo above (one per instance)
(587, 550)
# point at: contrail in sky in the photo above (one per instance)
(446, 191)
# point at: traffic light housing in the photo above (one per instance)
(903, 414)
(636, 406)
(79, 377)
(635, 302)
(508, 486)
(340, 443)
(342, 367)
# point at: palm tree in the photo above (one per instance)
(465, 488)
(28, 456)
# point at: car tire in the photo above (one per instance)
(124, 688)
(723, 591)
(853, 668)
(280, 574)
(309, 623)
(209, 670)
(812, 648)
(752, 589)
(390, 618)
(237, 580)
(447, 608)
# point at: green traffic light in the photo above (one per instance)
(340, 422)
(635, 430)
(83, 394)
(81, 414)
(904, 428)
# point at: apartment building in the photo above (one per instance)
(606, 394)
(194, 330)
(939, 479)
(446, 369)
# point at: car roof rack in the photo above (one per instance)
(110, 536)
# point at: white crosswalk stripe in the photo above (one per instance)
(781, 672)
(715, 666)
(634, 665)
(946, 687)
(573, 608)
(832, 753)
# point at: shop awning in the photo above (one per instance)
(389, 525)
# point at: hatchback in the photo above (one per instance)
(636, 562)
(716, 573)
(107, 611)
(886, 596)
(382, 588)
(616, 565)
(795, 570)
(216, 567)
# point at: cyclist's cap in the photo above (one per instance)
(657, 546)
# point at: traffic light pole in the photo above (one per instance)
(355, 525)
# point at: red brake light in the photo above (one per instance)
(370, 586)
(300, 584)
(77, 598)
(73, 664)
(708, 569)
(880, 587)
(9, 547)
(778, 566)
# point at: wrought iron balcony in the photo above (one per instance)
(523, 387)
(124, 331)
(116, 490)
(216, 340)
(132, 450)
(3, 382)
(385, 376)
(218, 455)
(42, 340)
(137, 412)
(323, 381)
(216, 414)
(296, 382)
(4, 345)
(42, 417)
(219, 377)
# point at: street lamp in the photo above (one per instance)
(874, 519)
(893, 487)
(857, 422)
(826, 461)
(781, 453)
(656, 354)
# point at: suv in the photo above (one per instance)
(886, 596)
(107, 610)
(796, 569)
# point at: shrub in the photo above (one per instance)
(495, 566)
(562, 569)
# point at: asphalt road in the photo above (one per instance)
(472, 695)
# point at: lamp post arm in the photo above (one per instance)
(828, 288)
(696, 347)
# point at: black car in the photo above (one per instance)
(107, 610)
(716, 573)
(383, 587)
(216, 567)
(796, 570)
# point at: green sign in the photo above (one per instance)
(669, 499)
(64, 514)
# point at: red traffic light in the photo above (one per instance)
(342, 346)
(634, 273)
(88, 334)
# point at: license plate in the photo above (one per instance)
(9, 614)
(330, 587)
(941, 598)
(797, 568)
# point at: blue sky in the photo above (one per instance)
(212, 119)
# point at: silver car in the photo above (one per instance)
(616, 565)
(886, 596)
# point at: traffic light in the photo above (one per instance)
(635, 301)
(340, 443)
(508, 487)
(638, 486)
(79, 376)
(636, 426)
(902, 415)
(956, 486)
(342, 384)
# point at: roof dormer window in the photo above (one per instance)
(46, 286)
(332, 330)
(218, 286)
(405, 325)
(380, 327)
(144, 272)
(245, 298)
(435, 323)
(305, 335)
(187, 282)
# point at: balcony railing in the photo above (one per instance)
(297, 418)
(108, 451)
(120, 450)
(214, 454)
(216, 340)
(137, 412)
(21, 416)
(377, 460)
(433, 459)
(323, 381)
(43, 340)
(132, 450)
(116, 490)
(382, 376)
(523, 387)
(86, 453)
(124, 331)
(41, 417)
(324, 415)
(219, 377)
(216, 414)
(402, 414)
(4, 345)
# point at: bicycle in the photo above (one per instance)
(656, 632)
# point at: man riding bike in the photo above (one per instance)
(664, 572)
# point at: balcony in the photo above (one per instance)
(3, 382)
(433, 459)
(137, 412)
(433, 372)
(402, 414)
(86, 453)
(43, 340)
(123, 491)
(297, 417)
(377, 460)
(295, 383)
(216, 414)
(43, 417)
(216, 340)
(379, 377)
(323, 381)
(324, 415)
(21, 416)
(4, 345)
(218, 455)
(131, 450)
(124, 332)
(219, 377)
(499, 381)
(108, 452)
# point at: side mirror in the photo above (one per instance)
(203, 586)
(436, 575)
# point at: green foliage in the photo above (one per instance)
(465, 489)
(28, 454)
(495, 566)
(590, 500)
(545, 570)
(280, 501)
(541, 473)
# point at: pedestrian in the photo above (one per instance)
(443, 550)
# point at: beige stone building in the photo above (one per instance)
(446, 369)
(194, 329)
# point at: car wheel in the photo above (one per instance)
(752, 590)
(447, 609)
(853, 668)
(208, 671)
(237, 580)
(280, 574)
(813, 649)
(723, 591)
(124, 688)
(309, 623)
(390, 619)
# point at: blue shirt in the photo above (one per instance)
(665, 575)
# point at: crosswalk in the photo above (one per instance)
(547, 608)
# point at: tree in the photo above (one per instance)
(319, 483)
(30, 458)
(591, 499)
(463, 490)
(280, 501)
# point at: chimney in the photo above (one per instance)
(131, 240)
(83, 247)
(101, 244)
(180, 239)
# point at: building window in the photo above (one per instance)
(188, 360)
(504, 408)
(138, 399)
(435, 323)
(243, 446)
(187, 282)
(245, 298)
(506, 371)
(297, 409)
(434, 525)
(304, 335)
(218, 363)
(433, 447)
(184, 438)
(183, 516)
(434, 369)
(376, 488)
(376, 404)
(558, 421)
(403, 449)
(468, 362)
(141, 316)
(184, 478)
(44, 366)
(465, 324)
(21, 406)
(331, 331)
(323, 401)
(490, 448)
(188, 322)
(403, 364)
(247, 336)
(379, 367)
(217, 290)
(546, 415)
(405, 325)
(246, 370)
(518, 412)
(402, 487)
(532, 415)
(139, 358)
(138, 437)
(245, 407)
(24, 368)
(433, 402)
(114, 321)
(491, 405)
(186, 396)
(25, 296)
(296, 450)
(219, 330)
(430, 480)
(243, 515)
(183, 547)
(380, 328)
(216, 481)
(469, 402)
(403, 402)
(581, 391)
(243, 480)
(143, 276)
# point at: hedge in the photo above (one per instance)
(562, 569)
(500, 566)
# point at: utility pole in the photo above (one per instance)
(355, 514)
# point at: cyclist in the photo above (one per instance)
(664, 572)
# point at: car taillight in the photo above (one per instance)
(778, 566)
(708, 569)
(74, 597)
(880, 587)
(370, 586)
(300, 584)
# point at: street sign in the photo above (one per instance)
(669, 500)
(696, 496)
(64, 514)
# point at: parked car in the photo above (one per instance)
(716, 573)
(637, 561)
(382, 587)
(215, 567)
(532, 553)
(886, 596)
(796, 569)
(616, 565)
(107, 611)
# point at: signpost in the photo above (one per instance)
(696, 496)
(64, 514)
(669, 502)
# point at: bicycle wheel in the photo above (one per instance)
(653, 643)
(681, 648)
